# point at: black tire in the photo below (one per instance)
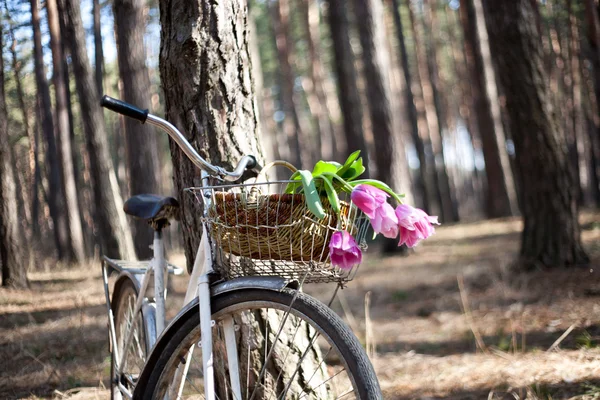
(125, 295)
(352, 356)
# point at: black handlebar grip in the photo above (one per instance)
(252, 164)
(129, 110)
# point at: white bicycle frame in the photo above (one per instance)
(199, 285)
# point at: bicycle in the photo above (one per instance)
(246, 330)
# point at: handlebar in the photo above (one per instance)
(246, 162)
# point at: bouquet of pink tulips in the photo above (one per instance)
(411, 224)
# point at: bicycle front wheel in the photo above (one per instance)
(289, 346)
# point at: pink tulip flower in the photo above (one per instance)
(368, 199)
(373, 202)
(415, 225)
(385, 221)
(343, 250)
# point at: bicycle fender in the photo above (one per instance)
(273, 283)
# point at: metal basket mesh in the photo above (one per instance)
(257, 230)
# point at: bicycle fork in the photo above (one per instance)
(200, 276)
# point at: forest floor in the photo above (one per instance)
(538, 332)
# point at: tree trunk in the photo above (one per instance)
(391, 159)
(206, 75)
(325, 140)
(411, 111)
(55, 189)
(140, 139)
(449, 209)
(500, 196)
(592, 11)
(296, 136)
(98, 50)
(551, 235)
(13, 250)
(115, 235)
(29, 172)
(264, 103)
(64, 133)
(345, 70)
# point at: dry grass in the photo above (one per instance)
(53, 340)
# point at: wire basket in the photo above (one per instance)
(258, 230)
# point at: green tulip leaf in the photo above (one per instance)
(332, 195)
(325, 166)
(349, 161)
(292, 186)
(354, 171)
(313, 202)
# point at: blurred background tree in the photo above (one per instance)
(420, 86)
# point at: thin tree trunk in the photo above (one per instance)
(297, 140)
(391, 158)
(140, 139)
(64, 133)
(114, 231)
(500, 196)
(326, 141)
(28, 173)
(98, 50)
(345, 70)
(13, 250)
(551, 233)
(411, 111)
(592, 11)
(264, 103)
(55, 198)
(429, 113)
(449, 209)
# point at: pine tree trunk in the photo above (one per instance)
(204, 62)
(592, 11)
(98, 50)
(500, 196)
(296, 136)
(325, 140)
(29, 172)
(64, 133)
(347, 79)
(551, 234)
(115, 235)
(140, 139)
(55, 189)
(391, 159)
(411, 111)
(449, 209)
(14, 256)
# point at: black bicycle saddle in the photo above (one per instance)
(152, 207)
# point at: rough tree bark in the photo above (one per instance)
(55, 185)
(13, 250)
(551, 234)
(347, 79)
(141, 143)
(64, 133)
(500, 196)
(114, 232)
(206, 76)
